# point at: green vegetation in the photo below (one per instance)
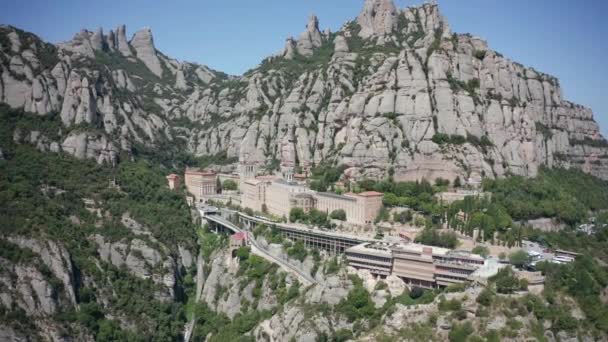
(481, 250)
(507, 282)
(358, 304)
(461, 332)
(50, 196)
(314, 217)
(519, 258)
(584, 279)
(434, 237)
(298, 251)
(441, 139)
(403, 216)
(338, 214)
(224, 329)
(565, 194)
(415, 195)
(230, 185)
(324, 176)
(216, 159)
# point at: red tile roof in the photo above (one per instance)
(239, 236)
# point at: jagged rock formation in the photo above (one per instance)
(310, 39)
(143, 44)
(378, 18)
(393, 90)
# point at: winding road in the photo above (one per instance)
(256, 249)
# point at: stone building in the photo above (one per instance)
(280, 194)
(253, 193)
(173, 181)
(201, 184)
(238, 240)
(360, 209)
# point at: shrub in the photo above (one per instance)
(338, 214)
(519, 258)
(480, 54)
(460, 333)
(229, 184)
(297, 215)
(481, 250)
(507, 282)
(485, 297)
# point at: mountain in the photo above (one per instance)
(95, 247)
(394, 90)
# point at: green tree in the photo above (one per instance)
(318, 218)
(507, 282)
(481, 250)
(297, 215)
(230, 185)
(338, 214)
(519, 258)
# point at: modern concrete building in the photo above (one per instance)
(417, 265)
(173, 181)
(376, 257)
(201, 183)
(456, 267)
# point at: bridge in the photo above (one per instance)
(335, 243)
(218, 222)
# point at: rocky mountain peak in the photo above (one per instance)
(311, 38)
(121, 41)
(313, 24)
(143, 43)
(378, 18)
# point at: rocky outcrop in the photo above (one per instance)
(145, 257)
(120, 42)
(143, 43)
(378, 18)
(311, 38)
(407, 95)
(86, 145)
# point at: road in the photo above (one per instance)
(258, 250)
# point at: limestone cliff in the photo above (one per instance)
(394, 89)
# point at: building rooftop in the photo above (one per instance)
(266, 178)
(173, 176)
(284, 182)
(418, 248)
(254, 181)
(336, 196)
(199, 172)
(380, 249)
(370, 194)
(239, 236)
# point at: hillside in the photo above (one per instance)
(393, 90)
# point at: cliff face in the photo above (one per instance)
(393, 89)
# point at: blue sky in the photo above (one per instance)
(565, 38)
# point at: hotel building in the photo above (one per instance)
(417, 265)
(375, 257)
